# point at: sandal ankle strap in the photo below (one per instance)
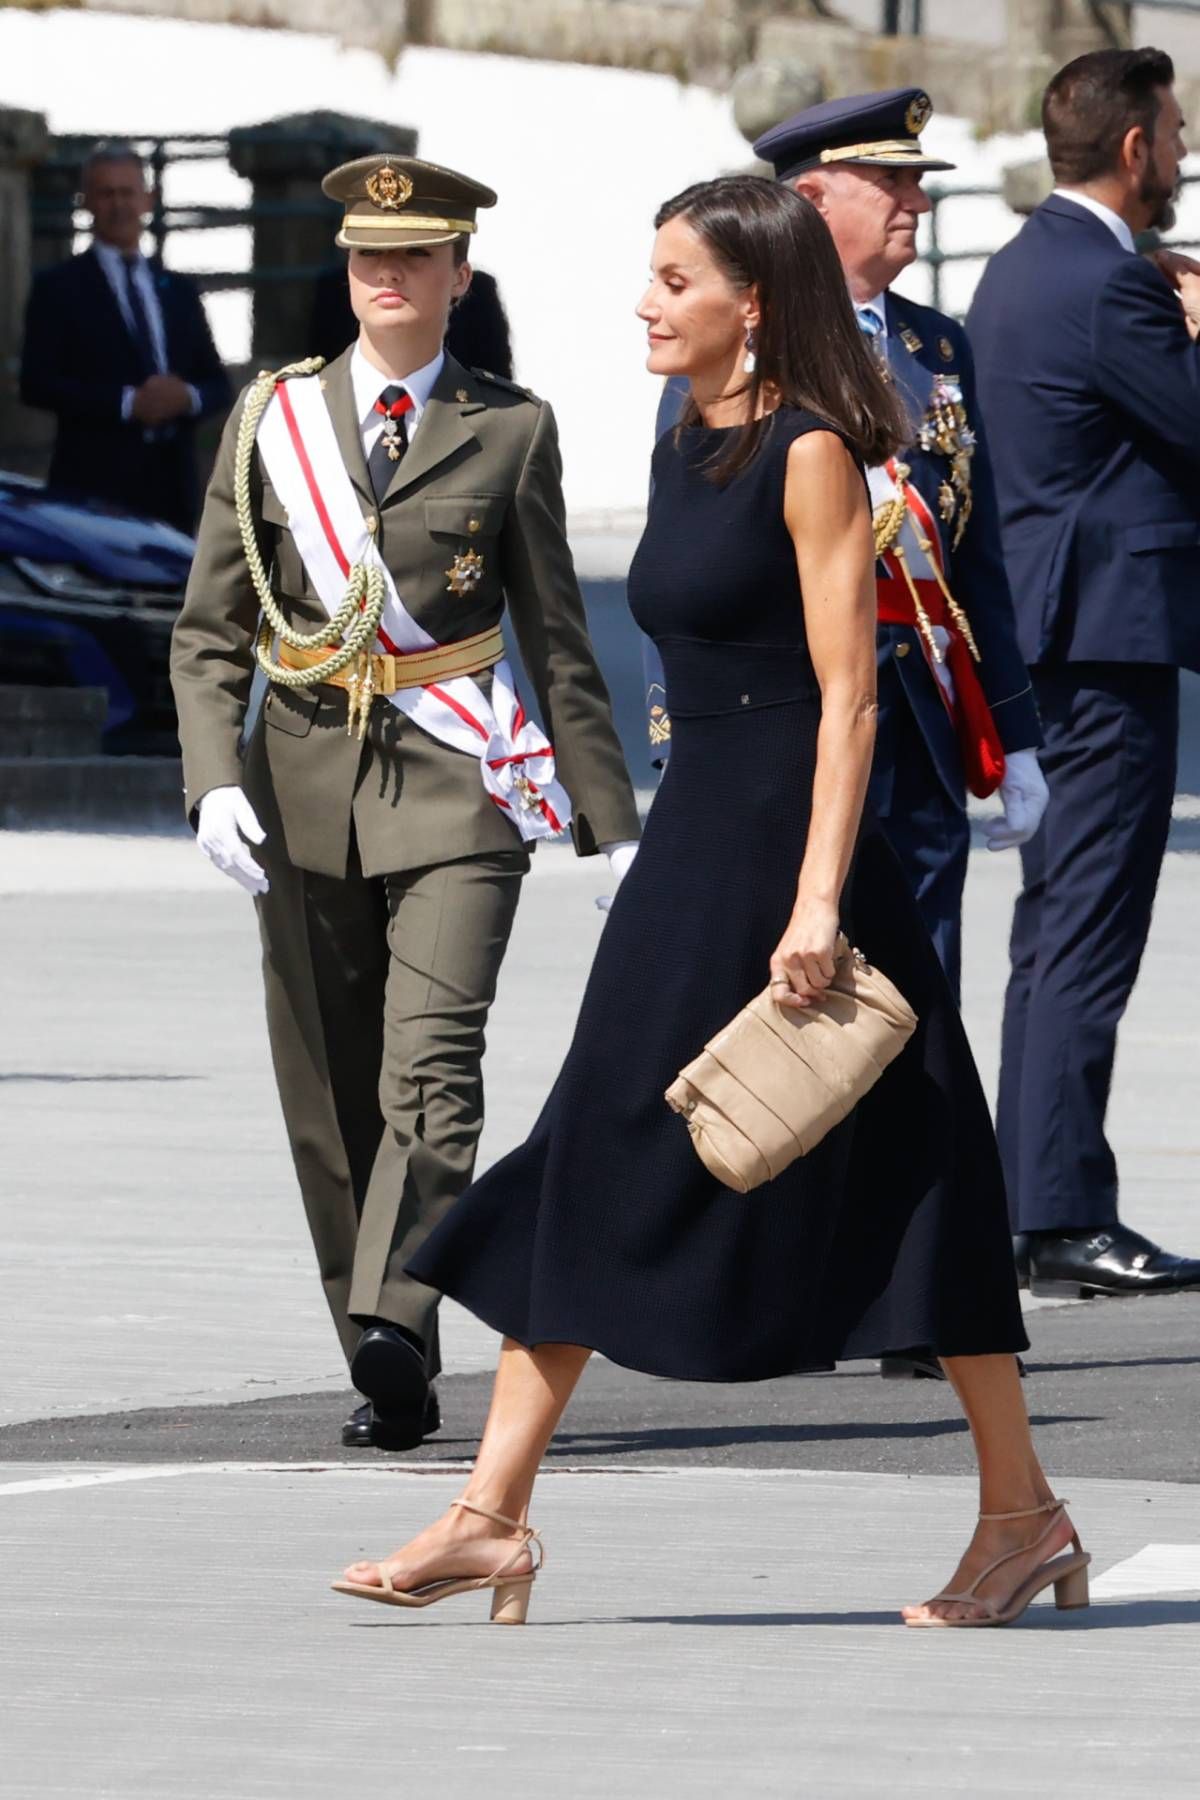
(1029, 1512)
(531, 1540)
(495, 1517)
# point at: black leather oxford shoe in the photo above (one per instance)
(920, 1365)
(1021, 1257)
(389, 1369)
(365, 1429)
(1082, 1265)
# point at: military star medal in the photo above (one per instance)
(465, 572)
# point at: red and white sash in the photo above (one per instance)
(303, 459)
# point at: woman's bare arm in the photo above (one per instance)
(826, 512)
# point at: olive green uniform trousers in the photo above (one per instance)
(378, 990)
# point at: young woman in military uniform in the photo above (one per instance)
(366, 526)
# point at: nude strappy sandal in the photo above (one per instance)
(510, 1598)
(1068, 1573)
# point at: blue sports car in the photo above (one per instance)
(88, 596)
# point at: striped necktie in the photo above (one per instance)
(871, 326)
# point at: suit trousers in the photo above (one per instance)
(378, 991)
(926, 827)
(1079, 929)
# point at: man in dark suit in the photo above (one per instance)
(1090, 380)
(120, 351)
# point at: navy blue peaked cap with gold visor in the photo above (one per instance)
(879, 130)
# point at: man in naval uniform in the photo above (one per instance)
(365, 528)
(956, 707)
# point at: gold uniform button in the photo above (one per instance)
(903, 649)
(372, 524)
(473, 524)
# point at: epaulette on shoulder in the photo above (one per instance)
(311, 365)
(510, 387)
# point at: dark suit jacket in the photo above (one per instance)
(79, 356)
(934, 344)
(477, 335)
(1091, 387)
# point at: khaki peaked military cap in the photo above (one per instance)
(396, 202)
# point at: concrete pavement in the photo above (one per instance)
(718, 1617)
(695, 1633)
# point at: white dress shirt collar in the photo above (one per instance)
(1105, 214)
(877, 305)
(369, 383)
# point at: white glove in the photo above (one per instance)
(941, 638)
(226, 819)
(1024, 796)
(620, 856)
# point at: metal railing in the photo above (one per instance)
(936, 258)
(59, 216)
(55, 216)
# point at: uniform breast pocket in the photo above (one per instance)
(464, 518)
(1171, 534)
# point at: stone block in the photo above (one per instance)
(284, 159)
(1025, 185)
(91, 793)
(51, 722)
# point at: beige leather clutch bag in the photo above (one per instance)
(769, 1086)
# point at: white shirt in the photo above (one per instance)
(1105, 214)
(368, 383)
(112, 262)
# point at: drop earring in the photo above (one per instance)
(750, 360)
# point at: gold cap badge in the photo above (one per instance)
(389, 188)
(919, 113)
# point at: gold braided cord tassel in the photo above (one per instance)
(351, 631)
(952, 607)
(888, 522)
(922, 617)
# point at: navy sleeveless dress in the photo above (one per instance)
(604, 1228)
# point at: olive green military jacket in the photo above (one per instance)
(482, 473)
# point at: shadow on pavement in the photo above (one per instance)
(607, 1443)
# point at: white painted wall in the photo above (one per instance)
(581, 158)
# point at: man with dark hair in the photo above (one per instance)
(1090, 379)
(119, 349)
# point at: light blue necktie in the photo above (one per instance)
(870, 324)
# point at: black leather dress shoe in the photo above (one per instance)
(1082, 1265)
(917, 1367)
(920, 1365)
(389, 1369)
(366, 1430)
(1021, 1257)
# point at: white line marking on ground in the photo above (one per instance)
(1156, 1569)
(48, 1484)
(107, 1477)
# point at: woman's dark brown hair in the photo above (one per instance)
(808, 348)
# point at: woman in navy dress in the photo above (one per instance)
(755, 577)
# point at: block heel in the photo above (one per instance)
(510, 1604)
(1071, 1591)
